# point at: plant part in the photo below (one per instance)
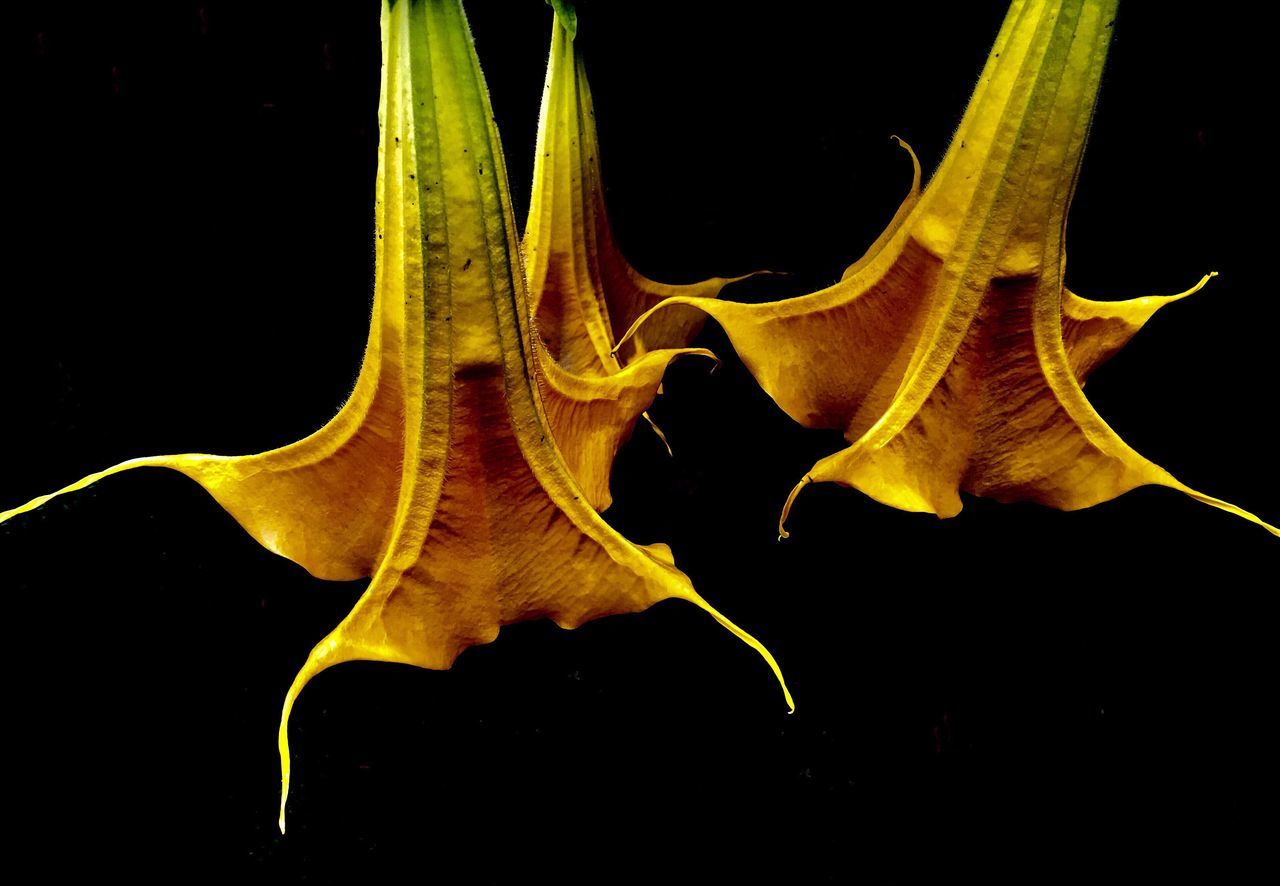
(583, 292)
(440, 477)
(950, 354)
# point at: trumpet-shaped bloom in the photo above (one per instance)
(440, 477)
(951, 355)
(583, 292)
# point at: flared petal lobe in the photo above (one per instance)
(323, 501)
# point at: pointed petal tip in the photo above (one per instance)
(915, 161)
(163, 461)
(657, 430)
(750, 641)
(1200, 284)
(758, 272)
(786, 508)
(902, 143)
(899, 217)
(1224, 506)
(326, 654)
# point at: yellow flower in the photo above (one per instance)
(951, 355)
(583, 292)
(440, 476)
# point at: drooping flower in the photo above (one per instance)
(951, 354)
(440, 477)
(583, 291)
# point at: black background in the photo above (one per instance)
(1017, 693)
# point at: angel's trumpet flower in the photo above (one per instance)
(583, 292)
(440, 477)
(951, 354)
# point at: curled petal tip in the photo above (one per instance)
(902, 143)
(786, 508)
(1200, 284)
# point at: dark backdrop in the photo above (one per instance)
(1013, 694)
